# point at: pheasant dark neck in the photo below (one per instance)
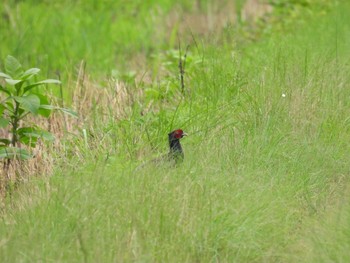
(176, 151)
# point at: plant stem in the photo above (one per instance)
(15, 121)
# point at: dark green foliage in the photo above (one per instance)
(20, 100)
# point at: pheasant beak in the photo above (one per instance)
(184, 134)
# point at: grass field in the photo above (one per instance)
(266, 170)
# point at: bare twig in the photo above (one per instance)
(182, 64)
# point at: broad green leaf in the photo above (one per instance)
(30, 135)
(9, 105)
(3, 75)
(13, 67)
(2, 109)
(14, 152)
(7, 91)
(49, 107)
(29, 103)
(30, 72)
(4, 122)
(69, 112)
(43, 101)
(36, 133)
(46, 81)
(4, 142)
(66, 111)
(13, 81)
(29, 141)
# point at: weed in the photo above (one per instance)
(21, 98)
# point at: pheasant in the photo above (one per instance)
(176, 153)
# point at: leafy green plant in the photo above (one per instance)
(20, 98)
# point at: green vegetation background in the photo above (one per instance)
(266, 172)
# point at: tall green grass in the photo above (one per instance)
(105, 34)
(264, 177)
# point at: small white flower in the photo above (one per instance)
(283, 95)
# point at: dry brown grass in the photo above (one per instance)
(217, 16)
